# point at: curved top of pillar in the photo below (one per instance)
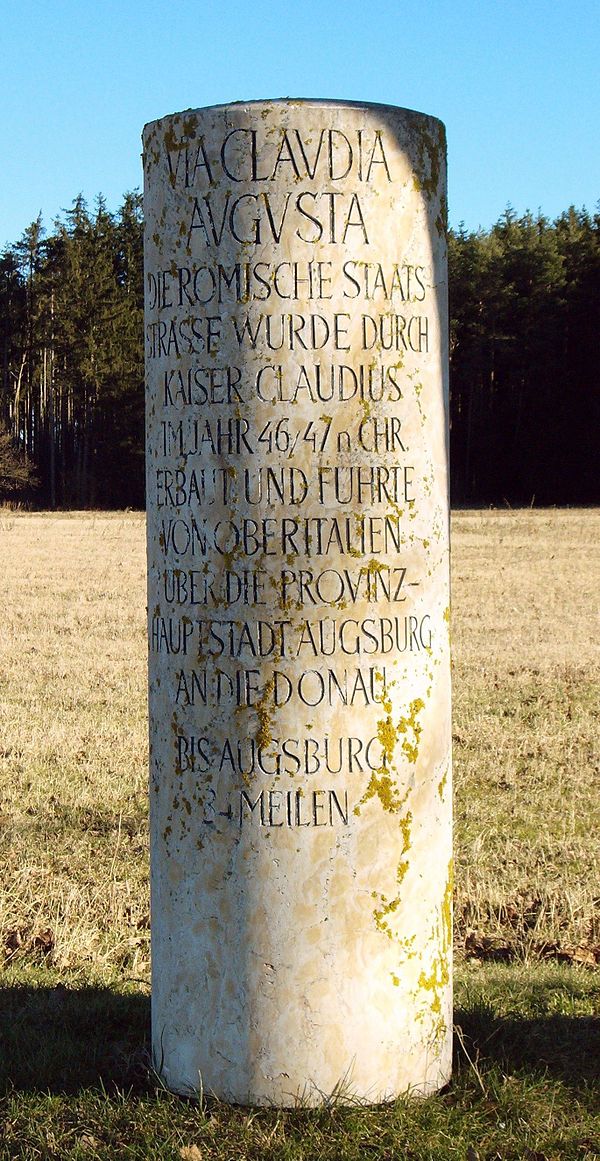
(296, 102)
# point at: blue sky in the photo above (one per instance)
(517, 84)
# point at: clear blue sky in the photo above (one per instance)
(517, 84)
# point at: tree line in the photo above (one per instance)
(72, 385)
(524, 336)
(524, 369)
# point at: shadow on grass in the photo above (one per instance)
(64, 1039)
(566, 1048)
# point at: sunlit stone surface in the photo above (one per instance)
(296, 356)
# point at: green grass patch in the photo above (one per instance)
(76, 1081)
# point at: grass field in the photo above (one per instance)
(74, 935)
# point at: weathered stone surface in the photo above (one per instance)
(298, 600)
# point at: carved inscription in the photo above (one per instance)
(285, 480)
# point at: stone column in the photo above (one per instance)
(296, 350)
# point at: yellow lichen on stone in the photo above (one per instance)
(437, 978)
(387, 736)
(382, 786)
(447, 908)
(411, 749)
(405, 827)
(431, 154)
(189, 126)
(264, 737)
(383, 698)
(388, 906)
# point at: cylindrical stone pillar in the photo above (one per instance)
(296, 350)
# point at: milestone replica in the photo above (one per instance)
(298, 601)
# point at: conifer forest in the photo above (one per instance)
(524, 361)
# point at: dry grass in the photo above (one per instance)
(73, 744)
(527, 756)
(73, 749)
